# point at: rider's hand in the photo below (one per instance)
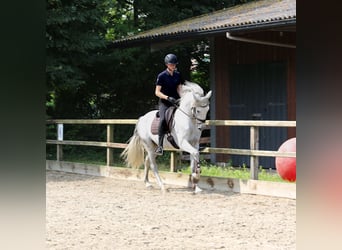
(172, 100)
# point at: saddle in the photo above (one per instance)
(169, 117)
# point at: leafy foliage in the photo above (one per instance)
(75, 34)
(87, 79)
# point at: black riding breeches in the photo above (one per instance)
(162, 124)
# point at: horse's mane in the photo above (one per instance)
(191, 87)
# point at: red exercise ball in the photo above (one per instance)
(286, 166)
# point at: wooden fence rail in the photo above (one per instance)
(253, 152)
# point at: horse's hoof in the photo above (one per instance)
(195, 175)
(197, 189)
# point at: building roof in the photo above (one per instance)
(255, 15)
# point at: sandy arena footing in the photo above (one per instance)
(90, 212)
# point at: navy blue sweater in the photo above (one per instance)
(169, 84)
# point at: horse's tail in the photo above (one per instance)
(133, 154)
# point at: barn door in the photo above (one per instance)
(258, 91)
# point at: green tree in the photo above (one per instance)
(75, 34)
(87, 79)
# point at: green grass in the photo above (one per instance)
(236, 173)
(91, 156)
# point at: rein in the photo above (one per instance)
(193, 111)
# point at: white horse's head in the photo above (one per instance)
(194, 101)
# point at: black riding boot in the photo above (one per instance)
(161, 134)
(159, 150)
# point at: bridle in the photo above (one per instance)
(193, 112)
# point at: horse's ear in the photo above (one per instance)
(208, 95)
(196, 97)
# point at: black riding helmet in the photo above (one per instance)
(171, 58)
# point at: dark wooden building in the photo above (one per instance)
(253, 68)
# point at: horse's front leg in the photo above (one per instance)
(195, 173)
(187, 147)
(194, 163)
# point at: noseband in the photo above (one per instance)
(193, 111)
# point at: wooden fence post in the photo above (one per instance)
(173, 161)
(254, 145)
(59, 138)
(110, 138)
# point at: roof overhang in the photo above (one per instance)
(263, 15)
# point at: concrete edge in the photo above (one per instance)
(268, 188)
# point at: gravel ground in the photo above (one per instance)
(87, 212)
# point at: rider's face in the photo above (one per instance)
(171, 66)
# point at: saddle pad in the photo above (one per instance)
(155, 125)
(168, 117)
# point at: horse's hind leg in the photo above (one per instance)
(153, 165)
(146, 170)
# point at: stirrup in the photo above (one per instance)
(159, 150)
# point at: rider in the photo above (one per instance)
(168, 86)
